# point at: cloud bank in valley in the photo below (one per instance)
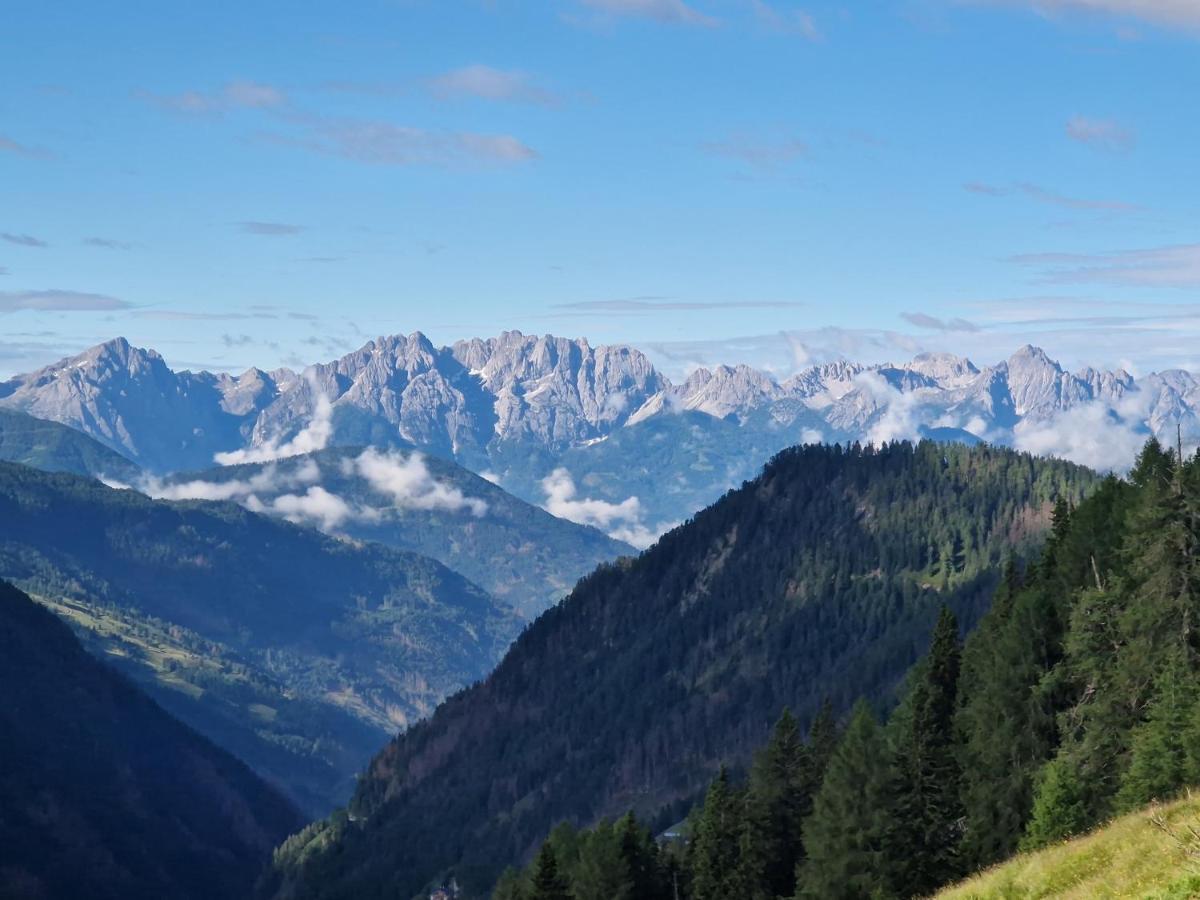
(312, 437)
(622, 521)
(408, 481)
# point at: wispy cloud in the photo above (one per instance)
(622, 521)
(58, 301)
(8, 145)
(1051, 198)
(107, 243)
(23, 240)
(649, 305)
(181, 315)
(671, 11)
(386, 144)
(1183, 13)
(1103, 133)
(933, 323)
(1176, 266)
(312, 437)
(488, 83)
(761, 154)
(270, 229)
(234, 95)
(797, 22)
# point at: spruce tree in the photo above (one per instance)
(547, 882)
(717, 846)
(1060, 808)
(846, 837)
(928, 826)
(637, 854)
(779, 798)
(1159, 761)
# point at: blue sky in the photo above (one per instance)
(756, 181)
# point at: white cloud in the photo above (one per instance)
(673, 11)
(386, 144)
(1185, 13)
(1173, 266)
(789, 21)
(1104, 133)
(622, 521)
(268, 480)
(757, 152)
(313, 437)
(315, 504)
(488, 83)
(900, 420)
(235, 95)
(812, 436)
(409, 482)
(58, 301)
(1094, 434)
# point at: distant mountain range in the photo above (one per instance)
(594, 434)
(103, 794)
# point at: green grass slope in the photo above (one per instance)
(1152, 854)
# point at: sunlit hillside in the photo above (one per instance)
(1153, 853)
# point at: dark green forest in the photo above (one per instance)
(102, 794)
(818, 582)
(1076, 699)
(298, 652)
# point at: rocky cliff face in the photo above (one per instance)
(517, 407)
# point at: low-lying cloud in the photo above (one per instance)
(1096, 435)
(313, 437)
(408, 481)
(622, 521)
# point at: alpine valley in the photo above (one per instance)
(523, 618)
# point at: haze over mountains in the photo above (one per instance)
(593, 434)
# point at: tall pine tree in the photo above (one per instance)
(929, 816)
(847, 836)
(716, 849)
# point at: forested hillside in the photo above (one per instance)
(1077, 699)
(517, 552)
(298, 652)
(102, 794)
(821, 579)
(57, 448)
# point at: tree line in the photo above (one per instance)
(1077, 698)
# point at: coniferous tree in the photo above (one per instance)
(638, 861)
(928, 827)
(779, 798)
(1060, 808)
(547, 882)
(1159, 758)
(846, 837)
(511, 886)
(716, 850)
